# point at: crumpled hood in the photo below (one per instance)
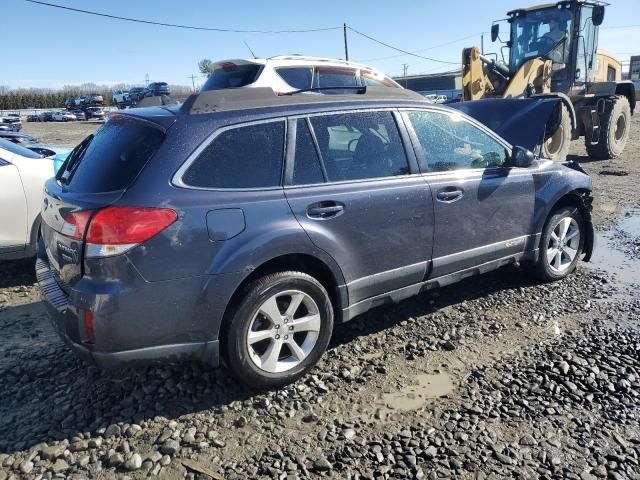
(520, 121)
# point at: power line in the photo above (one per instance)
(188, 27)
(620, 26)
(422, 49)
(396, 48)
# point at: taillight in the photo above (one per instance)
(75, 224)
(89, 332)
(114, 230)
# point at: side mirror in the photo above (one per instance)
(521, 157)
(495, 30)
(597, 16)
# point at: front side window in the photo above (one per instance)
(371, 79)
(449, 142)
(336, 77)
(244, 157)
(360, 145)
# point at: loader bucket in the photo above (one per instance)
(525, 122)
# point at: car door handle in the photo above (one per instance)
(325, 209)
(449, 194)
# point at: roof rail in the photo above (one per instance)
(318, 59)
(246, 98)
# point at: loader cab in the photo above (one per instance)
(566, 33)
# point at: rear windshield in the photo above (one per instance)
(232, 76)
(110, 159)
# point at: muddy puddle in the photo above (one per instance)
(617, 250)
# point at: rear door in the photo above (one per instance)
(358, 195)
(483, 209)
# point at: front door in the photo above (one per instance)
(483, 209)
(351, 185)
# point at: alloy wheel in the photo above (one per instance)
(563, 244)
(283, 331)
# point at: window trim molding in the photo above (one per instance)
(177, 178)
(403, 134)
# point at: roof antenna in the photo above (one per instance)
(254, 55)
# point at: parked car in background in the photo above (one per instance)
(430, 97)
(13, 120)
(93, 99)
(94, 113)
(120, 98)
(17, 137)
(80, 115)
(156, 89)
(288, 73)
(22, 176)
(441, 99)
(33, 117)
(63, 116)
(136, 94)
(70, 103)
(235, 248)
(46, 116)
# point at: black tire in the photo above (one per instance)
(614, 130)
(254, 295)
(542, 267)
(556, 147)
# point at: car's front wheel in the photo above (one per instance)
(561, 244)
(280, 329)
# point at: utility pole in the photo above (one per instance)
(405, 67)
(482, 43)
(146, 78)
(346, 46)
(193, 82)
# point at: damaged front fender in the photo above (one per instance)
(525, 122)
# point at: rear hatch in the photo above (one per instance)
(94, 176)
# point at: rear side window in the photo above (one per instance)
(231, 76)
(297, 77)
(242, 157)
(112, 158)
(360, 145)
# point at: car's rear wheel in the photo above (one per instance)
(561, 244)
(280, 329)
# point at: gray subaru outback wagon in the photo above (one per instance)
(243, 225)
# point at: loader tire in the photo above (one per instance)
(614, 130)
(556, 147)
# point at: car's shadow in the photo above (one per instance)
(47, 394)
(16, 273)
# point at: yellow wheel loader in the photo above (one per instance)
(553, 52)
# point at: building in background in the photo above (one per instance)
(634, 68)
(448, 83)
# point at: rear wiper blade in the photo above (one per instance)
(359, 90)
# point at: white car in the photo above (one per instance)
(288, 73)
(22, 177)
(63, 117)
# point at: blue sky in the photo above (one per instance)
(52, 47)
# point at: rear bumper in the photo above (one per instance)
(65, 312)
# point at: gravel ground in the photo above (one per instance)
(495, 377)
